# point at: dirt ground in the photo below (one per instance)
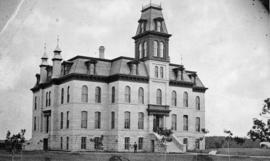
(98, 156)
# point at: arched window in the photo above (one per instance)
(97, 120)
(174, 98)
(174, 122)
(140, 120)
(198, 103)
(185, 122)
(62, 95)
(127, 94)
(185, 99)
(67, 121)
(112, 120)
(161, 72)
(61, 120)
(156, 71)
(35, 123)
(127, 120)
(113, 94)
(35, 103)
(84, 96)
(98, 95)
(68, 96)
(144, 49)
(49, 98)
(158, 26)
(140, 51)
(161, 49)
(155, 48)
(141, 95)
(84, 119)
(159, 97)
(46, 99)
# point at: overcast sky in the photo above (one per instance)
(225, 41)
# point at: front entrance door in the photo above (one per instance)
(152, 145)
(45, 144)
(158, 122)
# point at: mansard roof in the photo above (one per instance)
(150, 14)
(109, 70)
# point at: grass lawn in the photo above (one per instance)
(91, 156)
(242, 151)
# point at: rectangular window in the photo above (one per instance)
(127, 144)
(97, 120)
(61, 120)
(84, 119)
(197, 125)
(35, 106)
(67, 119)
(83, 143)
(185, 120)
(67, 143)
(113, 120)
(127, 120)
(140, 147)
(61, 143)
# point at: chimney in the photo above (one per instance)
(101, 52)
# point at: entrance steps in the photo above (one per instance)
(175, 146)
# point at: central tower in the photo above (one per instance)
(152, 38)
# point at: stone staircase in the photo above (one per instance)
(175, 146)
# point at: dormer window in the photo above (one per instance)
(66, 67)
(91, 67)
(158, 26)
(133, 65)
(142, 27)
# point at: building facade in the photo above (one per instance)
(88, 104)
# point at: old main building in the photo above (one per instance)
(87, 103)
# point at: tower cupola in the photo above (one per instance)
(57, 58)
(152, 37)
(43, 66)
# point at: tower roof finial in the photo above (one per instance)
(45, 56)
(57, 49)
(181, 63)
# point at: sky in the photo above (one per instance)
(225, 41)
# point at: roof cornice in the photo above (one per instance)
(151, 33)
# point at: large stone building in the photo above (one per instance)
(87, 103)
